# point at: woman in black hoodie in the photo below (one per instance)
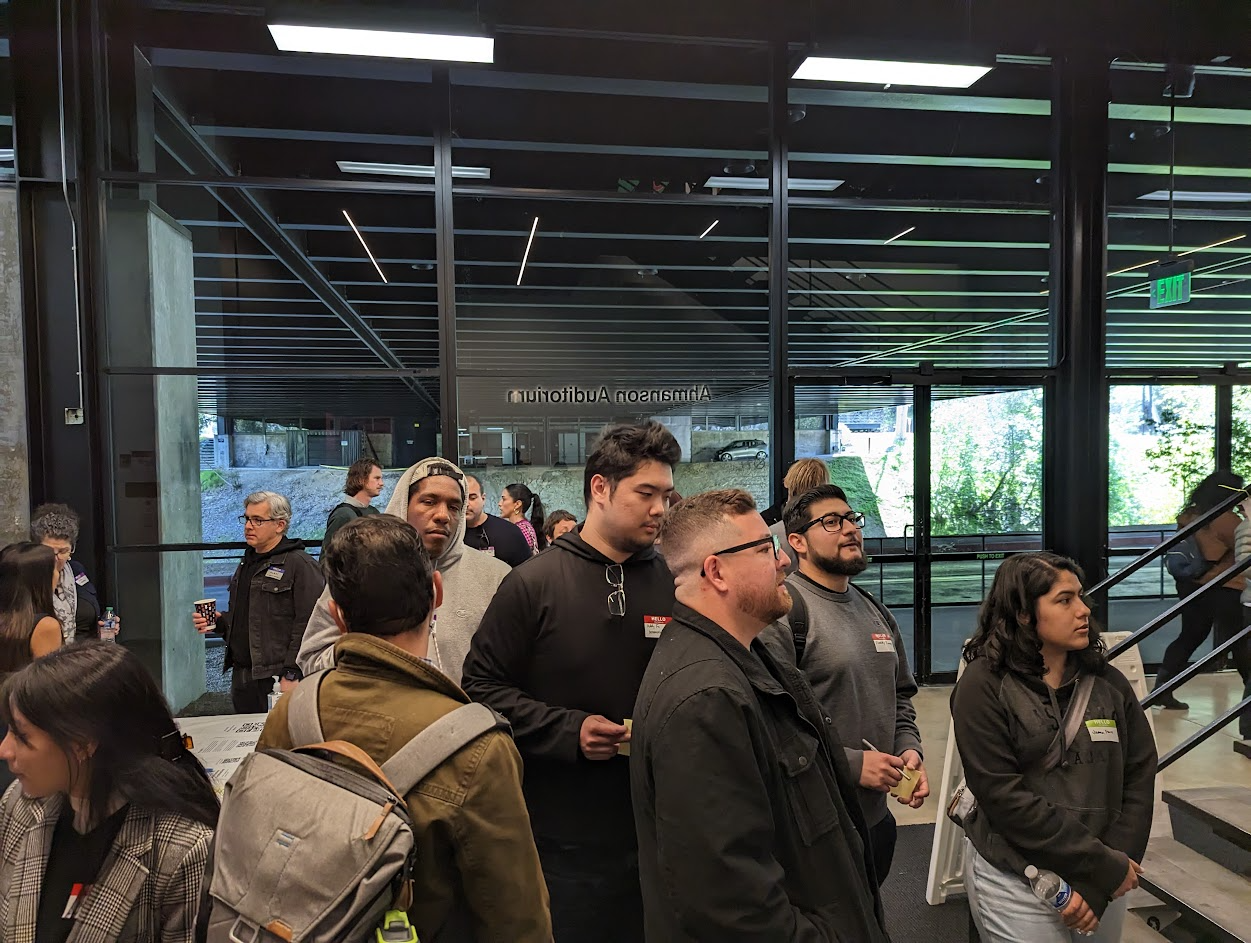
(1086, 817)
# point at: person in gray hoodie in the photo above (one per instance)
(431, 497)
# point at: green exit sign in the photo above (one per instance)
(1169, 284)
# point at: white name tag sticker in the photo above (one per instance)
(1103, 731)
(654, 625)
(883, 642)
(81, 579)
(274, 573)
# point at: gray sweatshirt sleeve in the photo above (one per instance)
(907, 734)
(317, 649)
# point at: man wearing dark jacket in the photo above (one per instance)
(272, 594)
(560, 652)
(364, 483)
(500, 538)
(748, 821)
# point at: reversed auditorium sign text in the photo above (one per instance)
(606, 395)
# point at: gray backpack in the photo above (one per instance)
(310, 851)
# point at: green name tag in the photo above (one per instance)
(1103, 731)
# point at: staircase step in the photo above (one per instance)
(1199, 888)
(1137, 931)
(1226, 810)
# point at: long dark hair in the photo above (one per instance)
(25, 590)
(531, 504)
(1211, 491)
(99, 692)
(1007, 623)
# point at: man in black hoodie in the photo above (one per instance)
(561, 652)
(272, 594)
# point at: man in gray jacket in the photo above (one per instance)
(431, 497)
(854, 658)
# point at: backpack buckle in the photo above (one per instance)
(395, 928)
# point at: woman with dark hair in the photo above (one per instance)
(1078, 807)
(515, 503)
(110, 822)
(557, 524)
(1218, 607)
(28, 627)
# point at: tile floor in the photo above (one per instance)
(1212, 763)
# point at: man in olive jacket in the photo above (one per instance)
(748, 822)
(477, 874)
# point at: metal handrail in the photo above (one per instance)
(1235, 497)
(1178, 680)
(1173, 611)
(1191, 742)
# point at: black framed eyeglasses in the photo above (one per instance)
(772, 538)
(833, 523)
(256, 521)
(615, 576)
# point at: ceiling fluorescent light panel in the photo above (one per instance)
(886, 72)
(762, 183)
(386, 44)
(409, 170)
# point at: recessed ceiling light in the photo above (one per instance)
(885, 72)
(762, 183)
(409, 170)
(387, 44)
(1200, 196)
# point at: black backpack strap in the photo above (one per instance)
(799, 622)
(877, 604)
(357, 511)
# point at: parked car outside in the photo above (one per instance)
(743, 448)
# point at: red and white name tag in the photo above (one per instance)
(654, 625)
(883, 642)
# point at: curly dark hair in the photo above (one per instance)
(1007, 623)
(622, 449)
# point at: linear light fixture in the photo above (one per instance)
(899, 236)
(366, 245)
(762, 183)
(409, 170)
(887, 72)
(1221, 242)
(710, 228)
(529, 242)
(1200, 196)
(387, 44)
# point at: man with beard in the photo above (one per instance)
(854, 658)
(748, 823)
(561, 652)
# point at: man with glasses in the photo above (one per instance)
(561, 652)
(849, 647)
(748, 824)
(272, 594)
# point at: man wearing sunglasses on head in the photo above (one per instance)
(749, 827)
(849, 647)
(561, 652)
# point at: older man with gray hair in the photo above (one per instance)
(272, 594)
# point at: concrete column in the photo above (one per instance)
(14, 454)
(155, 423)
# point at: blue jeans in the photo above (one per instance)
(1006, 910)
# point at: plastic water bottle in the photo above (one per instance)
(1050, 887)
(108, 631)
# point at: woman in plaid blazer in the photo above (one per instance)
(101, 770)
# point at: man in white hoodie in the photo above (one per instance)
(431, 497)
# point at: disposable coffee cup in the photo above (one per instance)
(908, 785)
(208, 609)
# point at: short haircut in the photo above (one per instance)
(685, 527)
(58, 521)
(622, 449)
(556, 517)
(475, 479)
(804, 475)
(799, 509)
(279, 507)
(358, 475)
(379, 575)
